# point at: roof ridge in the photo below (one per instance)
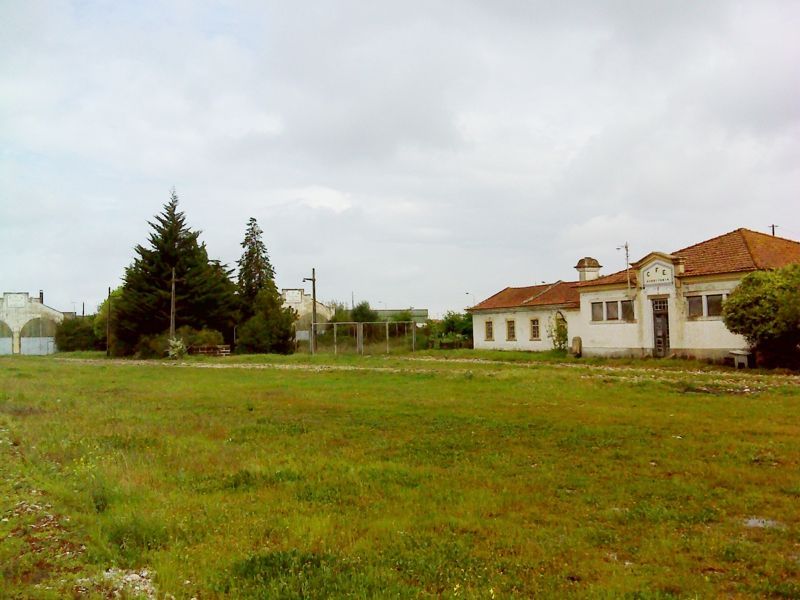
(741, 231)
(543, 292)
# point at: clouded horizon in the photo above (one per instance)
(417, 154)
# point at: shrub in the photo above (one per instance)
(76, 334)
(765, 309)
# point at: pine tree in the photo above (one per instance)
(255, 270)
(205, 294)
(266, 325)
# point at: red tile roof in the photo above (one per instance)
(560, 293)
(738, 251)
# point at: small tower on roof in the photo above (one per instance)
(588, 268)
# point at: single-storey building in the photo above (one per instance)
(27, 326)
(665, 304)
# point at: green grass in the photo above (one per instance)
(314, 477)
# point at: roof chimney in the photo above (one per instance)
(588, 268)
(41, 296)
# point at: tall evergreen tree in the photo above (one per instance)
(205, 294)
(255, 270)
(266, 325)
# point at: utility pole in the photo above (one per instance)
(108, 324)
(773, 227)
(172, 308)
(313, 280)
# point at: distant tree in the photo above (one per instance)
(456, 323)
(341, 314)
(255, 268)
(765, 309)
(76, 334)
(101, 318)
(271, 328)
(363, 313)
(205, 294)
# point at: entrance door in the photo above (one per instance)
(661, 327)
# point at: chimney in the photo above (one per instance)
(41, 296)
(588, 268)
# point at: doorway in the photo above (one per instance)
(660, 327)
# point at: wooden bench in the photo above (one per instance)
(218, 350)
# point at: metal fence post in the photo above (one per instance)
(335, 349)
(387, 337)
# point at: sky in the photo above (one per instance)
(420, 154)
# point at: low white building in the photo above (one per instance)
(522, 318)
(27, 326)
(665, 304)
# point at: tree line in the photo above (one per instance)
(211, 306)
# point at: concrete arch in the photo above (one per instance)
(6, 339)
(37, 337)
(38, 327)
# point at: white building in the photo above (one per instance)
(27, 326)
(302, 303)
(663, 305)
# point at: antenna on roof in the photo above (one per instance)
(627, 269)
(773, 226)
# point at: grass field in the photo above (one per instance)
(309, 477)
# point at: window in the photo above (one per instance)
(627, 310)
(612, 311)
(714, 304)
(489, 331)
(511, 333)
(535, 329)
(597, 311)
(695, 306)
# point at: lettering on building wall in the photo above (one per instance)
(657, 274)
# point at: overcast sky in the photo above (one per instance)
(415, 153)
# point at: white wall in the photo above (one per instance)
(701, 337)
(522, 320)
(610, 338)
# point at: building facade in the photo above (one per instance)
(27, 326)
(665, 304)
(302, 303)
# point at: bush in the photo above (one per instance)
(363, 313)
(153, 346)
(76, 334)
(271, 329)
(199, 337)
(765, 309)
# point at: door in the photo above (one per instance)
(660, 328)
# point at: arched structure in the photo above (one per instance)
(28, 326)
(38, 336)
(6, 338)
